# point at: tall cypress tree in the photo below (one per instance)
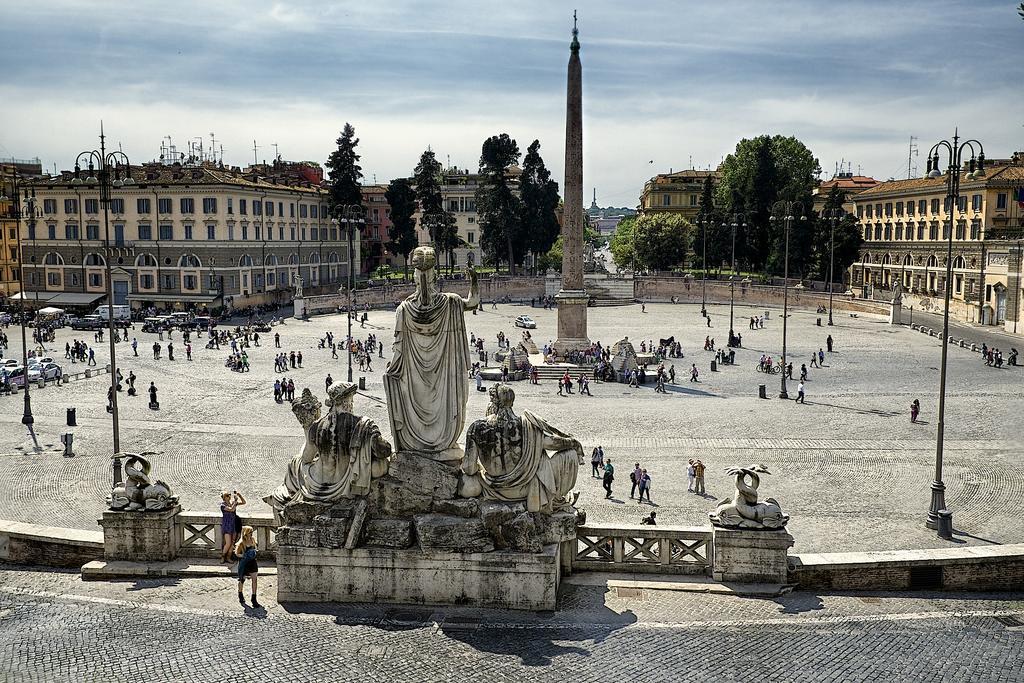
(496, 205)
(539, 199)
(344, 172)
(401, 199)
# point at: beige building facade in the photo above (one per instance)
(906, 225)
(676, 193)
(185, 237)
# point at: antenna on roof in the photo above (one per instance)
(255, 159)
(277, 154)
(910, 158)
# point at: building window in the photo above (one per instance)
(888, 231)
(71, 231)
(142, 205)
(471, 220)
(471, 237)
(280, 232)
(209, 205)
(878, 232)
(1000, 202)
(163, 205)
(51, 232)
(71, 206)
(302, 234)
(693, 200)
(976, 202)
(190, 282)
(910, 229)
(188, 205)
(53, 279)
(334, 234)
(259, 232)
(870, 211)
(167, 231)
(168, 282)
(188, 232)
(946, 227)
(975, 229)
(860, 211)
(146, 281)
(888, 208)
(961, 204)
(117, 205)
(292, 236)
(867, 232)
(270, 208)
(257, 208)
(95, 280)
(666, 200)
(315, 233)
(231, 233)
(453, 205)
(92, 206)
(50, 206)
(245, 232)
(291, 210)
(242, 207)
(935, 206)
(899, 208)
(922, 207)
(910, 208)
(313, 212)
(280, 209)
(145, 231)
(92, 232)
(920, 230)
(899, 232)
(302, 210)
(211, 232)
(961, 230)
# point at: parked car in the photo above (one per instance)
(9, 363)
(46, 371)
(16, 376)
(155, 324)
(36, 360)
(6, 318)
(526, 321)
(202, 322)
(89, 322)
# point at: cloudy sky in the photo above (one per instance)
(670, 82)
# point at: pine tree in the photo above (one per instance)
(539, 199)
(344, 172)
(497, 206)
(402, 200)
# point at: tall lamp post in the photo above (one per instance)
(350, 216)
(834, 216)
(108, 170)
(703, 223)
(736, 218)
(23, 207)
(784, 211)
(976, 168)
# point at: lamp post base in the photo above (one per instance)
(783, 394)
(938, 503)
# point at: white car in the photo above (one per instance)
(526, 321)
(45, 370)
(33, 362)
(9, 363)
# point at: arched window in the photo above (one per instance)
(886, 260)
(145, 261)
(189, 261)
(314, 258)
(53, 259)
(332, 257)
(932, 261)
(959, 263)
(270, 260)
(293, 260)
(245, 261)
(907, 260)
(94, 260)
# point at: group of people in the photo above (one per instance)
(239, 362)
(993, 357)
(565, 382)
(283, 360)
(239, 544)
(284, 391)
(77, 351)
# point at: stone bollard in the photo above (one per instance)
(762, 391)
(42, 382)
(974, 347)
(818, 323)
(714, 366)
(963, 344)
(64, 379)
(88, 373)
(68, 439)
(14, 388)
(945, 525)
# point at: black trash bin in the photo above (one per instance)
(72, 422)
(945, 524)
(714, 366)
(762, 391)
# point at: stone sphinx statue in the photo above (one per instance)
(742, 510)
(139, 492)
(514, 458)
(342, 453)
(425, 381)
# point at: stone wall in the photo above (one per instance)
(22, 543)
(976, 568)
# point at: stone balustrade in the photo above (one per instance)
(200, 535)
(647, 549)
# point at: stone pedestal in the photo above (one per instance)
(750, 555)
(896, 315)
(140, 536)
(572, 321)
(506, 580)
(299, 308)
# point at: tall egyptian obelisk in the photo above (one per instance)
(572, 298)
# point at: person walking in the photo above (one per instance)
(828, 343)
(644, 486)
(609, 477)
(709, 320)
(328, 382)
(915, 410)
(814, 360)
(153, 403)
(821, 358)
(245, 550)
(135, 347)
(694, 373)
(170, 351)
(188, 351)
(634, 478)
(479, 380)
(595, 464)
(230, 523)
(584, 385)
(698, 478)
(803, 373)
(277, 340)
(800, 392)
(92, 356)
(691, 475)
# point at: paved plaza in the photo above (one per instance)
(848, 466)
(55, 628)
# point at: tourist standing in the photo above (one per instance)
(609, 477)
(698, 474)
(328, 382)
(595, 464)
(644, 486)
(694, 373)
(691, 475)
(634, 478)
(230, 523)
(828, 343)
(135, 347)
(915, 410)
(245, 549)
(153, 403)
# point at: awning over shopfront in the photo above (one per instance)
(33, 297)
(173, 298)
(72, 298)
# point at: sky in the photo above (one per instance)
(666, 84)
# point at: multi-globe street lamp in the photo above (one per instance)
(976, 168)
(833, 216)
(108, 171)
(786, 211)
(350, 216)
(703, 224)
(738, 221)
(23, 206)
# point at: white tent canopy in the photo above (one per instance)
(51, 310)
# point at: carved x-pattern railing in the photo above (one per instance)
(676, 550)
(201, 536)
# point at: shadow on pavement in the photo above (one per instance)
(859, 411)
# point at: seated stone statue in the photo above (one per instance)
(742, 510)
(138, 492)
(519, 459)
(342, 454)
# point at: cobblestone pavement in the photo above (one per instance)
(848, 466)
(55, 628)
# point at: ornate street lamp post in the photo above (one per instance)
(976, 168)
(784, 211)
(23, 207)
(350, 216)
(834, 216)
(736, 223)
(107, 170)
(703, 222)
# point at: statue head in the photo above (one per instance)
(502, 397)
(341, 396)
(424, 259)
(307, 408)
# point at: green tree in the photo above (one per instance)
(621, 244)
(344, 172)
(440, 224)
(496, 205)
(539, 199)
(661, 240)
(402, 200)
(709, 221)
(760, 172)
(848, 239)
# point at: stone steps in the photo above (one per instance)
(185, 568)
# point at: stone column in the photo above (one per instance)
(572, 298)
(750, 555)
(140, 536)
(1013, 293)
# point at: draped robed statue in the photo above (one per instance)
(425, 382)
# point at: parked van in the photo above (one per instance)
(122, 312)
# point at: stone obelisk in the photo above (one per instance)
(572, 298)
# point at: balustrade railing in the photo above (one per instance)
(201, 537)
(650, 549)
